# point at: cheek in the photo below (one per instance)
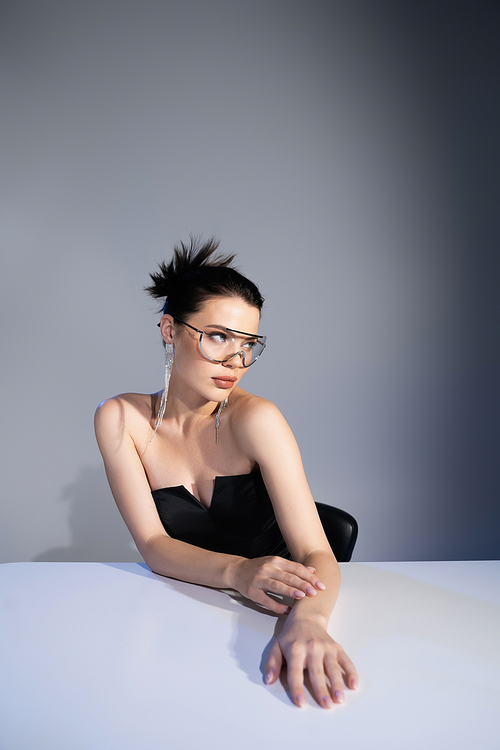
(187, 360)
(185, 348)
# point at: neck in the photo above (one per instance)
(185, 406)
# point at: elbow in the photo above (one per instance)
(153, 552)
(317, 555)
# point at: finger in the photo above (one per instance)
(351, 676)
(293, 582)
(277, 586)
(260, 597)
(305, 574)
(272, 667)
(295, 674)
(335, 676)
(317, 676)
(294, 575)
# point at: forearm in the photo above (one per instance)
(321, 605)
(176, 559)
(253, 578)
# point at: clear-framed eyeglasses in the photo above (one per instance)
(219, 344)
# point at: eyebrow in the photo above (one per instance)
(233, 330)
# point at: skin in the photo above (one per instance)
(253, 434)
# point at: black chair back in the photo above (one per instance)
(341, 530)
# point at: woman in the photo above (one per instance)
(162, 456)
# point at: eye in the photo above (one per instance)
(217, 337)
(249, 345)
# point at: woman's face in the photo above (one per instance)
(212, 380)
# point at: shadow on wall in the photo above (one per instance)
(97, 529)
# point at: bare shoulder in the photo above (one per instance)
(255, 420)
(125, 414)
(125, 406)
(247, 406)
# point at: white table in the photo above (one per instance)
(100, 656)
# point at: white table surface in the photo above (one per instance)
(110, 656)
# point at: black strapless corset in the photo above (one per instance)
(239, 521)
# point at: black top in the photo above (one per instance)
(239, 521)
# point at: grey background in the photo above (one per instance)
(348, 152)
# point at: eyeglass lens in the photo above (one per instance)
(221, 345)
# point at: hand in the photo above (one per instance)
(305, 644)
(254, 578)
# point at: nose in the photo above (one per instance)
(231, 362)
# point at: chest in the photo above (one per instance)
(240, 510)
(193, 462)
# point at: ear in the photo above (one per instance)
(167, 326)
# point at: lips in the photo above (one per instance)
(225, 381)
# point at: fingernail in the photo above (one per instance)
(313, 570)
(268, 678)
(327, 701)
(339, 696)
(311, 591)
(320, 585)
(298, 594)
(299, 700)
(286, 610)
(354, 684)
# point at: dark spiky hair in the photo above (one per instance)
(197, 273)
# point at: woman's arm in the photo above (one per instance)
(171, 557)
(304, 642)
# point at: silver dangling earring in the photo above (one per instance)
(221, 408)
(169, 363)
